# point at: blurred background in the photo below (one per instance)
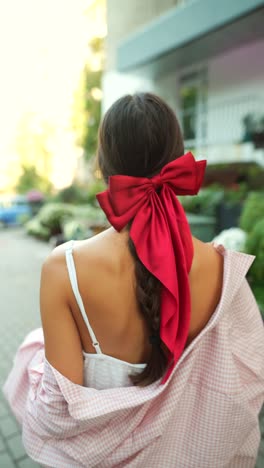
(63, 63)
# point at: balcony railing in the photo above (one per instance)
(221, 122)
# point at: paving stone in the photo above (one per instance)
(260, 459)
(3, 409)
(27, 463)
(260, 462)
(21, 259)
(2, 446)
(5, 461)
(16, 447)
(262, 425)
(8, 427)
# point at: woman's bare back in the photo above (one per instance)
(105, 271)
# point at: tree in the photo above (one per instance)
(33, 141)
(30, 179)
(87, 103)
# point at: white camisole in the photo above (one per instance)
(100, 370)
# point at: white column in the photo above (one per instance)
(117, 84)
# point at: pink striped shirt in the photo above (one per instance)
(205, 416)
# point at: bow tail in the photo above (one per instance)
(150, 234)
(183, 254)
(155, 234)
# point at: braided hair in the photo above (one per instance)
(148, 292)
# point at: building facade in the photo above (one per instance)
(205, 58)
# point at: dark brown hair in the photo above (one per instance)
(138, 136)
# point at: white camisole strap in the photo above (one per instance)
(74, 284)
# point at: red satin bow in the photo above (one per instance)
(162, 237)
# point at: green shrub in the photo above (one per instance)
(255, 246)
(48, 222)
(205, 203)
(85, 218)
(90, 213)
(74, 221)
(74, 229)
(52, 215)
(94, 188)
(253, 211)
(36, 229)
(24, 218)
(78, 194)
(72, 194)
(236, 195)
(259, 295)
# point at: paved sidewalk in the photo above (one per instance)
(20, 262)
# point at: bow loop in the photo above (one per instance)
(184, 174)
(162, 237)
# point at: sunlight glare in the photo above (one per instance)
(43, 46)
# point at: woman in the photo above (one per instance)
(153, 341)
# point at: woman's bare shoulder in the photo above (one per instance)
(206, 256)
(102, 253)
(91, 246)
(206, 278)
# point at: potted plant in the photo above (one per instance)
(254, 130)
(231, 205)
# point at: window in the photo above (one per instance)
(193, 100)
